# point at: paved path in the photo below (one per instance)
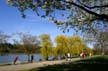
(21, 67)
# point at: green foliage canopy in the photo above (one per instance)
(82, 14)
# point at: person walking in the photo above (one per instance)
(68, 57)
(83, 55)
(15, 60)
(32, 58)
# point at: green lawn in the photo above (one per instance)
(96, 59)
(98, 63)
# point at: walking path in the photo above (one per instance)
(21, 67)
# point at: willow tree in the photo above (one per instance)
(62, 44)
(56, 52)
(77, 45)
(46, 44)
(80, 14)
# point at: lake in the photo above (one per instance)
(22, 57)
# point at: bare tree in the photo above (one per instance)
(29, 43)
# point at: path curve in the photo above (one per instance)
(21, 67)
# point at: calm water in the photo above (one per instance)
(22, 57)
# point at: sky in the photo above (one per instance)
(11, 22)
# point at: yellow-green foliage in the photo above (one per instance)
(73, 45)
(46, 52)
(88, 51)
(62, 44)
(76, 46)
(46, 46)
(56, 52)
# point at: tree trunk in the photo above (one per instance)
(46, 59)
(56, 58)
(103, 52)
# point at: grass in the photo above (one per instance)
(96, 59)
(77, 66)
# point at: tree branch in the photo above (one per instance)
(92, 7)
(96, 6)
(100, 16)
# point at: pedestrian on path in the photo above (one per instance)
(16, 59)
(32, 58)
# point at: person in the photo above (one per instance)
(80, 54)
(40, 59)
(68, 55)
(90, 54)
(65, 56)
(32, 58)
(15, 60)
(83, 55)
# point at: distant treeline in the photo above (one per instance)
(16, 48)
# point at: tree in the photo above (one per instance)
(5, 48)
(82, 14)
(62, 44)
(46, 43)
(4, 45)
(56, 53)
(29, 43)
(77, 45)
(89, 38)
(73, 45)
(102, 41)
(4, 37)
(97, 49)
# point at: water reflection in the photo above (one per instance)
(22, 57)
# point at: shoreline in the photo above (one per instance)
(21, 67)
